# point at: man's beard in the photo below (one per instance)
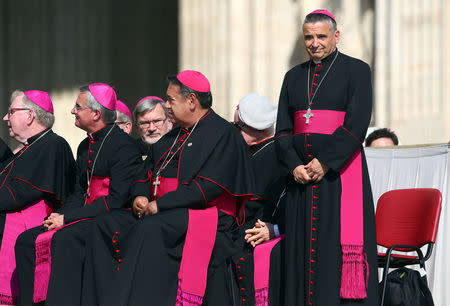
(151, 140)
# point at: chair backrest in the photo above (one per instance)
(408, 217)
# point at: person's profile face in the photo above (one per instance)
(319, 40)
(177, 106)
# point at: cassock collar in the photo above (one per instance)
(99, 134)
(327, 59)
(33, 138)
(258, 146)
(189, 129)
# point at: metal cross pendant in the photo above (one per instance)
(156, 183)
(308, 115)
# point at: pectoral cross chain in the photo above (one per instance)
(308, 115)
(156, 183)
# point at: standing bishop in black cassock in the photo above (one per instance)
(50, 257)
(323, 114)
(175, 247)
(34, 181)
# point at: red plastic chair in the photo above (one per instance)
(406, 220)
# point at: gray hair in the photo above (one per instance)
(108, 116)
(122, 117)
(146, 106)
(318, 17)
(43, 117)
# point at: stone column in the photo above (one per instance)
(410, 76)
(241, 46)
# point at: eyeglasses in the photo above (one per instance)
(12, 110)
(78, 107)
(239, 125)
(120, 122)
(156, 122)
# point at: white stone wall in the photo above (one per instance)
(63, 103)
(411, 69)
(241, 45)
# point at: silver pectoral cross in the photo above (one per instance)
(308, 115)
(156, 183)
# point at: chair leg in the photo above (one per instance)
(385, 274)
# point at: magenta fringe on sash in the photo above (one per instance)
(355, 272)
(7, 300)
(42, 266)
(262, 297)
(187, 299)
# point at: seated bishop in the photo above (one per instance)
(35, 180)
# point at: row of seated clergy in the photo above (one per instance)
(54, 259)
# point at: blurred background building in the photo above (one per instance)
(240, 45)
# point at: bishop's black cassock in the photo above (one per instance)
(314, 255)
(137, 261)
(111, 159)
(34, 181)
(144, 147)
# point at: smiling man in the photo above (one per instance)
(34, 181)
(151, 121)
(323, 114)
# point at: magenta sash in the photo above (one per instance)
(353, 280)
(166, 185)
(99, 186)
(198, 245)
(197, 250)
(261, 265)
(15, 224)
(323, 122)
(225, 203)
